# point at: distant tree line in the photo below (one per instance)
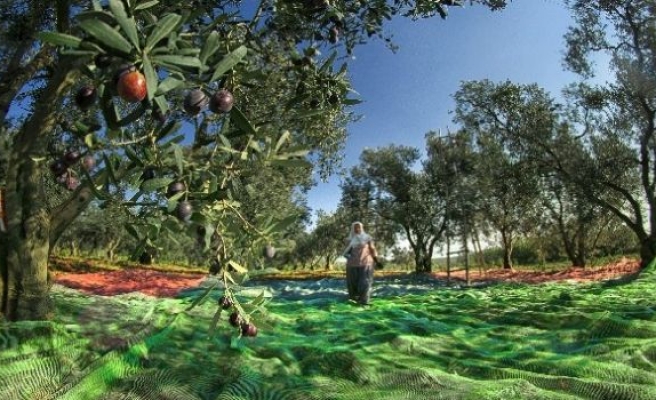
(574, 178)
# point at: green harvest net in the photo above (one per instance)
(551, 341)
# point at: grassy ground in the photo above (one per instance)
(513, 341)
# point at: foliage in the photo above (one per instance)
(613, 123)
(399, 199)
(64, 80)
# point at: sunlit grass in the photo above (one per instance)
(512, 341)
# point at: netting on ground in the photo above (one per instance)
(552, 341)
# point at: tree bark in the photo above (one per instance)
(29, 239)
(506, 238)
(647, 250)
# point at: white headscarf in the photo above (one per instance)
(359, 238)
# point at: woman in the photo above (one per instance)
(360, 258)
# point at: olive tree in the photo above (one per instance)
(179, 101)
(616, 121)
(403, 199)
(496, 114)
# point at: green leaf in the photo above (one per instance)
(146, 5)
(89, 140)
(228, 62)
(132, 231)
(137, 113)
(214, 323)
(169, 128)
(175, 139)
(102, 176)
(154, 228)
(351, 102)
(106, 35)
(133, 156)
(168, 84)
(91, 46)
(127, 23)
(242, 123)
(281, 140)
(78, 53)
(281, 225)
(179, 158)
(151, 77)
(309, 114)
(180, 61)
(164, 107)
(109, 164)
(237, 267)
(109, 110)
(173, 201)
(165, 26)
(203, 297)
(152, 185)
(60, 39)
(292, 163)
(329, 62)
(258, 300)
(210, 47)
(103, 16)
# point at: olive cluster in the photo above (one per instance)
(62, 168)
(246, 327)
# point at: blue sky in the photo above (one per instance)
(409, 93)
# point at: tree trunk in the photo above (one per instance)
(423, 263)
(507, 249)
(32, 228)
(647, 250)
(580, 260)
(24, 266)
(75, 251)
(427, 264)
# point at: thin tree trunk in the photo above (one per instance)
(479, 252)
(507, 250)
(466, 254)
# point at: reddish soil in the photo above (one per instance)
(166, 284)
(153, 283)
(622, 268)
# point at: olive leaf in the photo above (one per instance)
(168, 84)
(146, 5)
(164, 108)
(228, 62)
(241, 122)
(176, 60)
(151, 76)
(215, 321)
(237, 267)
(154, 184)
(203, 297)
(179, 157)
(127, 23)
(165, 26)
(210, 47)
(290, 163)
(60, 39)
(106, 35)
